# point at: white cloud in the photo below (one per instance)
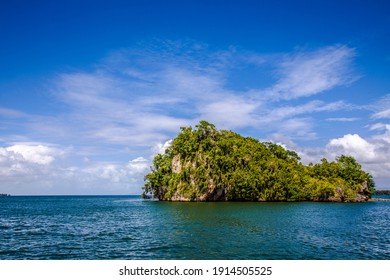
(36, 175)
(382, 108)
(354, 145)
(231, 112)
(138, 166)
(372, 152)
(192, 85)
(24, 161)
(38, 154)
(385, 137)
(384, 114)
(306, 74)
(378, 126)
(314, 106)
(342, 119)
(298, 128)
(128, 175)
(161, 147)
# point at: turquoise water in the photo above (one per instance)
(127, 227)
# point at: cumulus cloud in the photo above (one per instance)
(372, 152)
(354, 145)
(160, 148)
(29, 168)
(27, 159)
(38, 154)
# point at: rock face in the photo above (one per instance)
(176, 164)
(210, 194)
(360, 196)
(210, 165)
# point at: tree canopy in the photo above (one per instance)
(206, 164)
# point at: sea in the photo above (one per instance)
(132, 228)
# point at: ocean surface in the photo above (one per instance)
(128, 227)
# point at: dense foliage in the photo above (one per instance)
(206, 164)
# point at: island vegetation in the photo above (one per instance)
(206, 164)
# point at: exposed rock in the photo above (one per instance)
(340, 193)
(176, 165)
(363, 188)
(333, 199)
(360, 198)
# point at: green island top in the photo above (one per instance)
(206, 164)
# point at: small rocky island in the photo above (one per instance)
(206, 164)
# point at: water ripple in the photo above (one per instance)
(132, 228)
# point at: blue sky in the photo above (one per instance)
(91, 91)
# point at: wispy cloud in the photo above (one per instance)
(308, 73)
(314, 106)
(381, 108)
(231, 112)
(176, 90)
(378, 126)
(11, 113)
(141, 96)
(342, 119)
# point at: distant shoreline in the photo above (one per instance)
(379, 199)
(382, 192)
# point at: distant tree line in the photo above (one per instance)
(382, 192)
